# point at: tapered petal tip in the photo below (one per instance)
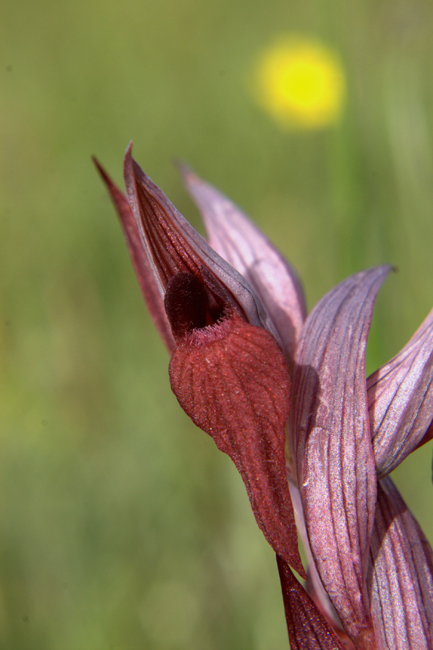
(187, 174)
(182, 167)
(101, 170)
(128, 169)
(132, 229)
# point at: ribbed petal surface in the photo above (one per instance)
(400, 400)
(400, 575)
(330, 436)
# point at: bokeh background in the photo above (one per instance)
(121, 525)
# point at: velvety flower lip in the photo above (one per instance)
(243, 245)
(233, 383)
(227, 369)
(400, 401)
(332, 446)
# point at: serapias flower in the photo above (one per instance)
(232, 315)
(300, 82)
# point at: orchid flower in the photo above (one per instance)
(286, 397)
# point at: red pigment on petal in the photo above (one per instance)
(231, 378)
(307, 627)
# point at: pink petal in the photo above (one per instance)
(400, 575)
(308, 629)
(426, 437)
(330, 438)
(245, 247)
(313, 586)
(400, 400)
(132, 231)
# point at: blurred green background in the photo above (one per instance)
(121, 526)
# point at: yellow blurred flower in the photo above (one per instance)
(300, 82)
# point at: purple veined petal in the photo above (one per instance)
(400, 400)
(244, 246)
(308, 629)
(314, 585)
(143, 271)
(400, 575)
(172, 246)
(329, 435)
